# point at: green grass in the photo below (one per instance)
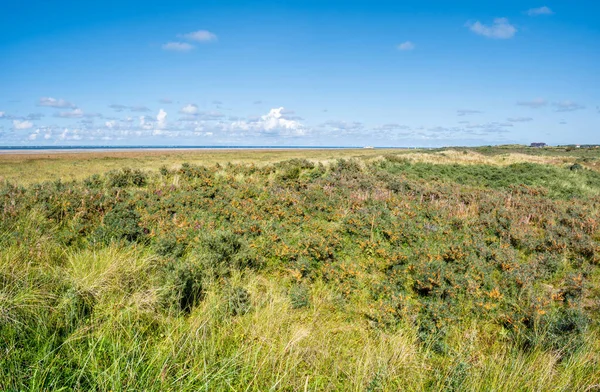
(364, 275)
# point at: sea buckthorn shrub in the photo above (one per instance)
(427, 246)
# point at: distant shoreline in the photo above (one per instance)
(88, 149)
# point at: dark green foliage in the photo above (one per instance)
(299, 296)
(186, 287)
(169, 245)
(164, 171)
(575, 167)
(223, 251)
(126, 177)
(238, 301)
(121, 222)
(93, 182)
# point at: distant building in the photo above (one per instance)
(369, 147)
(538, 145)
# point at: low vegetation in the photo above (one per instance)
(380, 274)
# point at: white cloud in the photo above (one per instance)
(161, 119)
(190, 109)
(272, 123)
(22, 124)
(540, 11)
(178, 46)
(199, 36)
(500, 29)
(406, 46)
(1, 114)
(534, 103)
(70, 134)
(55, 103)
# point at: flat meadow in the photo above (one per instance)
(460, 269)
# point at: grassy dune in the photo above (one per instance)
(381, 271)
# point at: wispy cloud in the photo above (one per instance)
(519, 119)
(165, 100)
(55, 103)
(177, 46)
(120, 108)
(500, 29)
(534, 103)
(405, 46)
(199, 36)
(466, 112)
(77, 113)
(567, 106)
(540, 11)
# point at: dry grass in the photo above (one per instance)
(28, 167)
(474, 158)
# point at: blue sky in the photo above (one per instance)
(382, 73)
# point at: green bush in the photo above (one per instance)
(126, 177)
(299, 296)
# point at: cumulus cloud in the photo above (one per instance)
(273, 123)
(519, 119)
(19, 125)
(540, 11)
(534, 103)
(407, 45)
(567, 106)
(190, 109)
(466, 112)
(55, 103)
(199, 36)
(2, 114)
(177, 46)
(161, 119)
(499, 29)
